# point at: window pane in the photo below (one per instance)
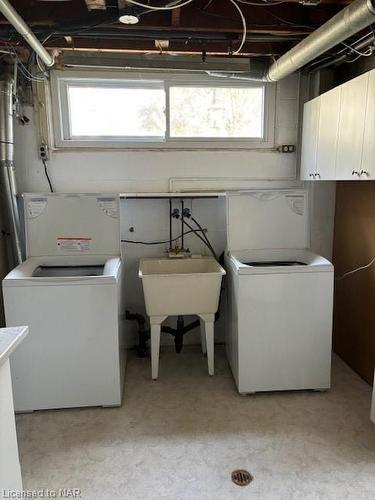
(216, 112)
(116, 112)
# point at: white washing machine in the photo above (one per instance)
(68, 292)
(280, 295)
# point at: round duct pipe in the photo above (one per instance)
(349, 21)
(355, 17)
(7, 169)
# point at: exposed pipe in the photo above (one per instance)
(349, 21)
(253, 76)
(76, 58)
(181, 36)
(19, 24)
(7, 169)
(344, 54)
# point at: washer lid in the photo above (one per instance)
(72, 224)
(267, 261)
(268, 219)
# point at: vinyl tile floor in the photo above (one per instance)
(180, 438)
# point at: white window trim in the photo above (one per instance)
(59, 79)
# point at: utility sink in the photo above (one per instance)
(179, 286)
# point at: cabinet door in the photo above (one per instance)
(367, 170)
(328, 134)
(309, 139)
(351, 128)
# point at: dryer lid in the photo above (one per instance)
(261, 219)
(72, 224)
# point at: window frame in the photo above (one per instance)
(60, 80)
(103, 83)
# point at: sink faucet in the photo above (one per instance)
(178, 251)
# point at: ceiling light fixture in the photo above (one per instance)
(127, 13)
(128, 19)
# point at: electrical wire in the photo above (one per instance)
(22, 68)
(159, 242)
(47, 175)
(64, 31)
(204, 235)
(244, 26)
(352, 60)
(289, 23)
(342, 52)
(41, 66)
(196, 232)
(27, 74)
(358, 52)
(361, 268)
(165, 7)
(262, 3)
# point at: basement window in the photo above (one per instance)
(178, 111)
(121, 112)
(216, 112)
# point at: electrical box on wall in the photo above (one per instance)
(286, 148)
(43, 152)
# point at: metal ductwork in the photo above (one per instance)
(349, 21)
(355, 17)
(7, 169)
(19, 24)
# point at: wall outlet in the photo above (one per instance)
(43, 152)
(286, 148)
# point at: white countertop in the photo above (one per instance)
(10, 338)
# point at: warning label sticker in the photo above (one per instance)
(109, 206)
(36, 207)
(66, 244)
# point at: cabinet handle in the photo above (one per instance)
(363, 172)
(355, 172)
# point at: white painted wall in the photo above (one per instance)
(152, 171)
(151, 221)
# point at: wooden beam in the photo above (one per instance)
(95, 5)
(142, 46)
(175, 17)
(183, 51)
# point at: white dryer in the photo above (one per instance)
(280, 294)
(68, 292)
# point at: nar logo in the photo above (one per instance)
(70, 493)
(42, 493)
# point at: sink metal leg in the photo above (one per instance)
(155, 322)
(209, 320)
(203, 337)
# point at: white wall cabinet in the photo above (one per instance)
(310, 129)
(367, 169)
(351, 128)
(342, 144)
(328, 134)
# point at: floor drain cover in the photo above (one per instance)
(241, 477)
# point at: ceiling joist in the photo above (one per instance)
(200, 27)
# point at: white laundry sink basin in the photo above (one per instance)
(175, 287)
